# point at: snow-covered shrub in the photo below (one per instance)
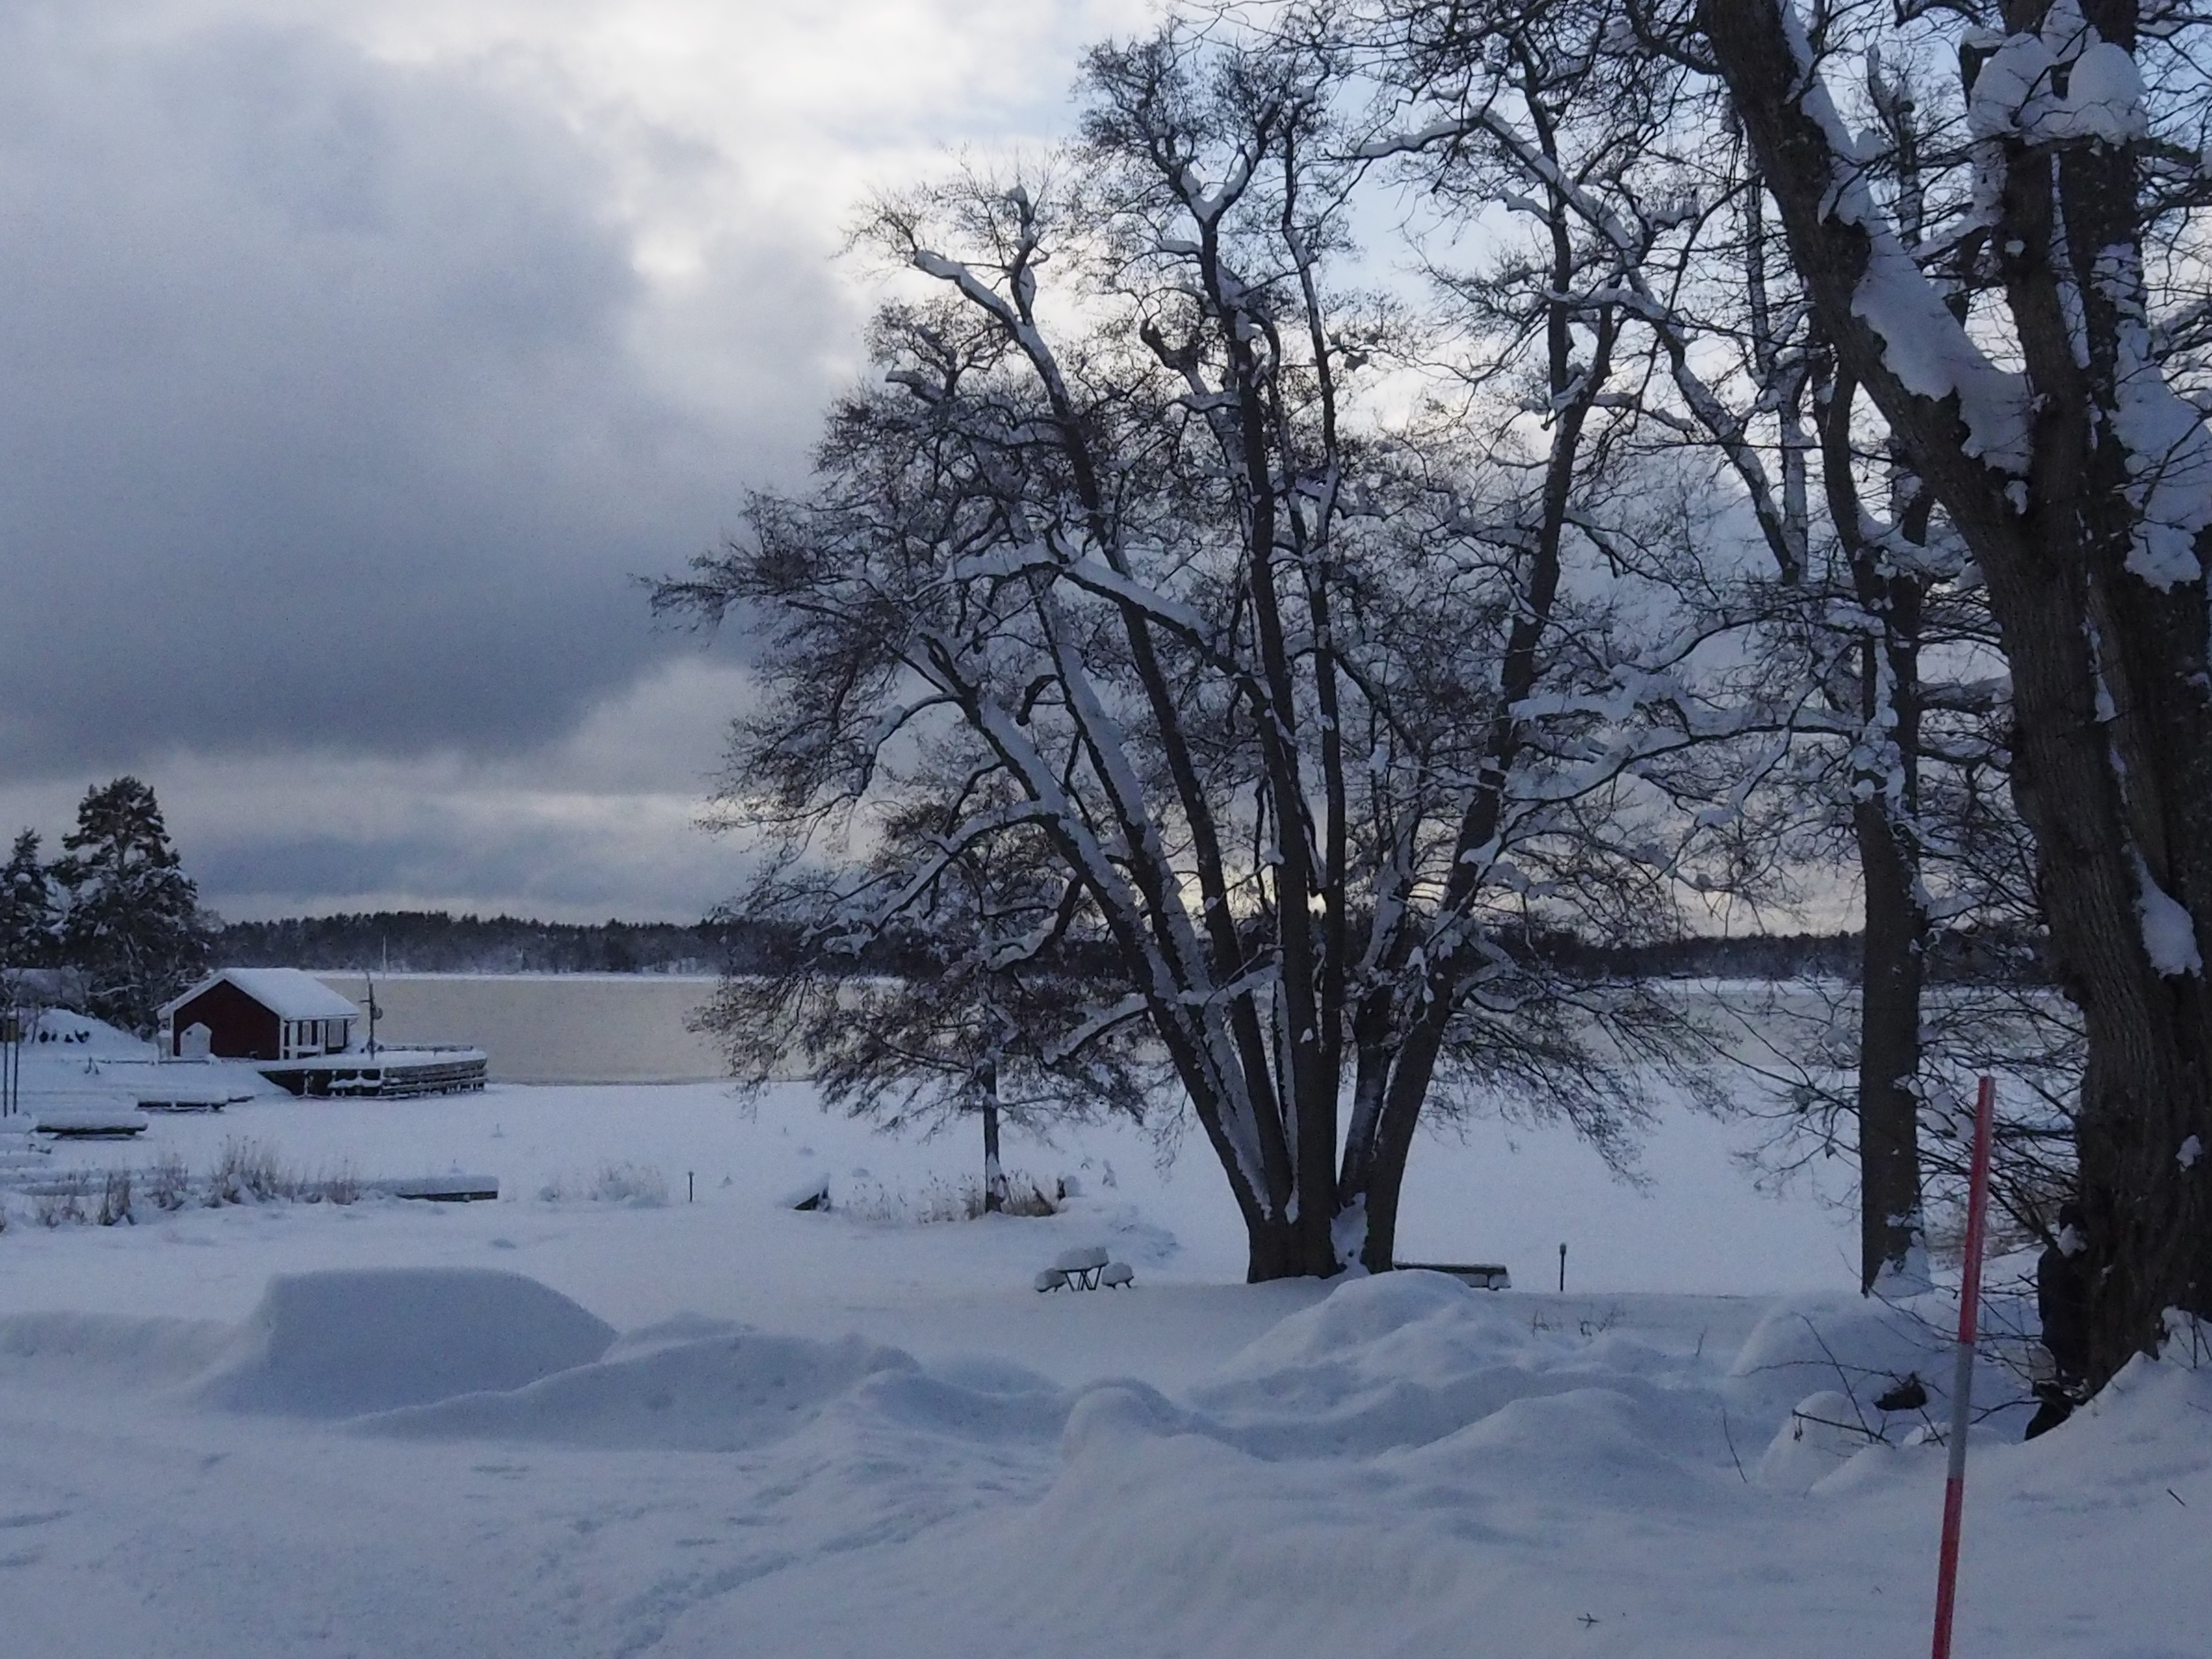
(636, 1184)
(1824, 1432)
(246, 1171)
(630, 1183)
(1025, 1195)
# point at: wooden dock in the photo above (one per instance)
(394, 1073)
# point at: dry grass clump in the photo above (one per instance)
(168, 1184)
(63, 1201)
(250, 1172)
(100, 1196)
(115, 1198)
(943, 1198)
(246, 1171)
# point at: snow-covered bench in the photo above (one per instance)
(1483, 1275)
(443, 1189)
(1086, 1268)
(170, 1091)
(89, 1122)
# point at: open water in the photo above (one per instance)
(549, 1028)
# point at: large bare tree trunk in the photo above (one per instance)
(1891, 959)
(2101, 613)
(1885, 794)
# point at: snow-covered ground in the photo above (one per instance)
(580, 1426)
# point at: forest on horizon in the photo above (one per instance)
(438, 942)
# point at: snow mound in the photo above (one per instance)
(1823, 1432)
(1357, 1313)
(667, 1332)
(1862, 1347)
(720, 1393)
(1407, 1358)
(1814, 1371)
(1804, 1339)
(62, 1034)
(2144, 1430)
(144, 1350)
(990, 1373)
(350, 1342)
(739, 1389)
(1602, 1440)
(931, 1403)
(1110, 1415)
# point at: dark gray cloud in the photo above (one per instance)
(324, 419)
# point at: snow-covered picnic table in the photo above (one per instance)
(1086, 1268)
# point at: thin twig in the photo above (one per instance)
(1728, 1434)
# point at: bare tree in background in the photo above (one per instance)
(944, 979)
(2052, 423)
(1881, 652)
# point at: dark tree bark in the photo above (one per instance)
(994, 1173)
(1885, 812)
(1891, 980)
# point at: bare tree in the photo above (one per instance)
(1880, 671)
(1327, 721)
(2050, 425)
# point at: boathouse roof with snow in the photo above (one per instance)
(262, 1013)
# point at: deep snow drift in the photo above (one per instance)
(340, 1343)
(405, 1430)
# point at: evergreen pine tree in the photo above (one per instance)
(133, 924)
(29, 913)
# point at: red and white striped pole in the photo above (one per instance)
(1962, 1375)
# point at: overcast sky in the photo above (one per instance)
(356, 354)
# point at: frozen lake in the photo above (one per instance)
(610, 1029)
(551, 1028)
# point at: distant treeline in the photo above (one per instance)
(1953, 957)
(437, 942)
(434, 942)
